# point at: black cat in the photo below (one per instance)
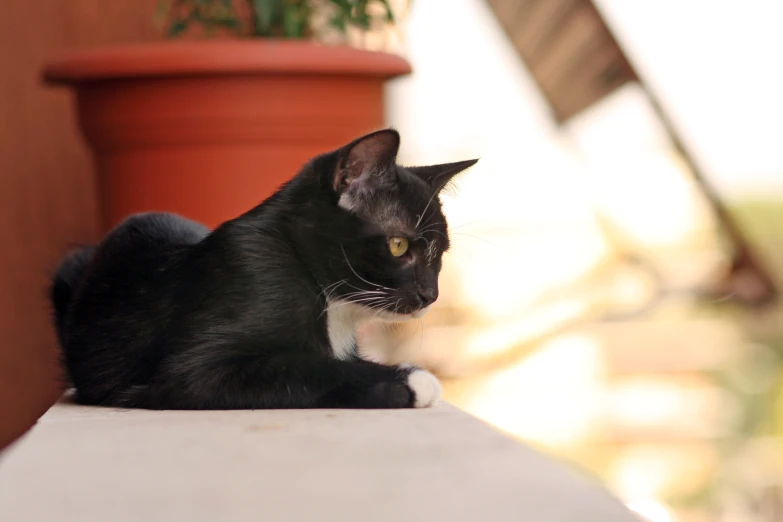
(262, 312)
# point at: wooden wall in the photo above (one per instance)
(47, 195)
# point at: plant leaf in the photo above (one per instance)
(389, 11)
(338, 22)
(177, 27)
(264, 12)
(296, 19)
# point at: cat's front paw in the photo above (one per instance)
(425, 387)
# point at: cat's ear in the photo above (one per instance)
(366, 160)
(438, 176)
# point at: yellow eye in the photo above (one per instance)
(398, 246)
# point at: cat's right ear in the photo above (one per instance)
(364, 163)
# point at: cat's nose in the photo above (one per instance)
(428, 295)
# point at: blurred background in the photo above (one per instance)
(609, 297)
(585, 307)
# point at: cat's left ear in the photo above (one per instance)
(364, 163)
(438, 176)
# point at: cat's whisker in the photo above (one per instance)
(429, 251)
(359, 300)
(327, 290)
(362, 289)
(381, 310)
(421, 342)
(434, 194)
(362, 299)
(425, 240)
(336, 283)
(357, 275)
(422, 232)
(418, 325)
(371, 290)
(364, 292)
(428, 221)
(357, 296)
(368, 301)
(454, 227)
(431, 226)
(476, 238)
(365, 302)
(428, 224)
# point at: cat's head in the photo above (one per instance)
(392, 255)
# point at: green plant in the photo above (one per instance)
(274, 18)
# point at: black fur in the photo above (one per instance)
(163, 314)
(69, 273)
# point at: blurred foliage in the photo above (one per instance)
(755, 383)
(762, 221)
(293, 19)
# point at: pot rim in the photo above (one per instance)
(220, 57)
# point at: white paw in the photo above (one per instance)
(425, 386)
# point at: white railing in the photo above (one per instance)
(83, 464)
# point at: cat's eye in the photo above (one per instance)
(398, 246)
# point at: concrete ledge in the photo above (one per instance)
(83, 464)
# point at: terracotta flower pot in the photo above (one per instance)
(208, 129)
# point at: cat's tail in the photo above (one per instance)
(64, 283)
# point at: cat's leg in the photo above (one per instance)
(216, 380)
(367, 384)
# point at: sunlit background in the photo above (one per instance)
(570, 315)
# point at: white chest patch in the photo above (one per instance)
(341, 318)
(342, 321)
